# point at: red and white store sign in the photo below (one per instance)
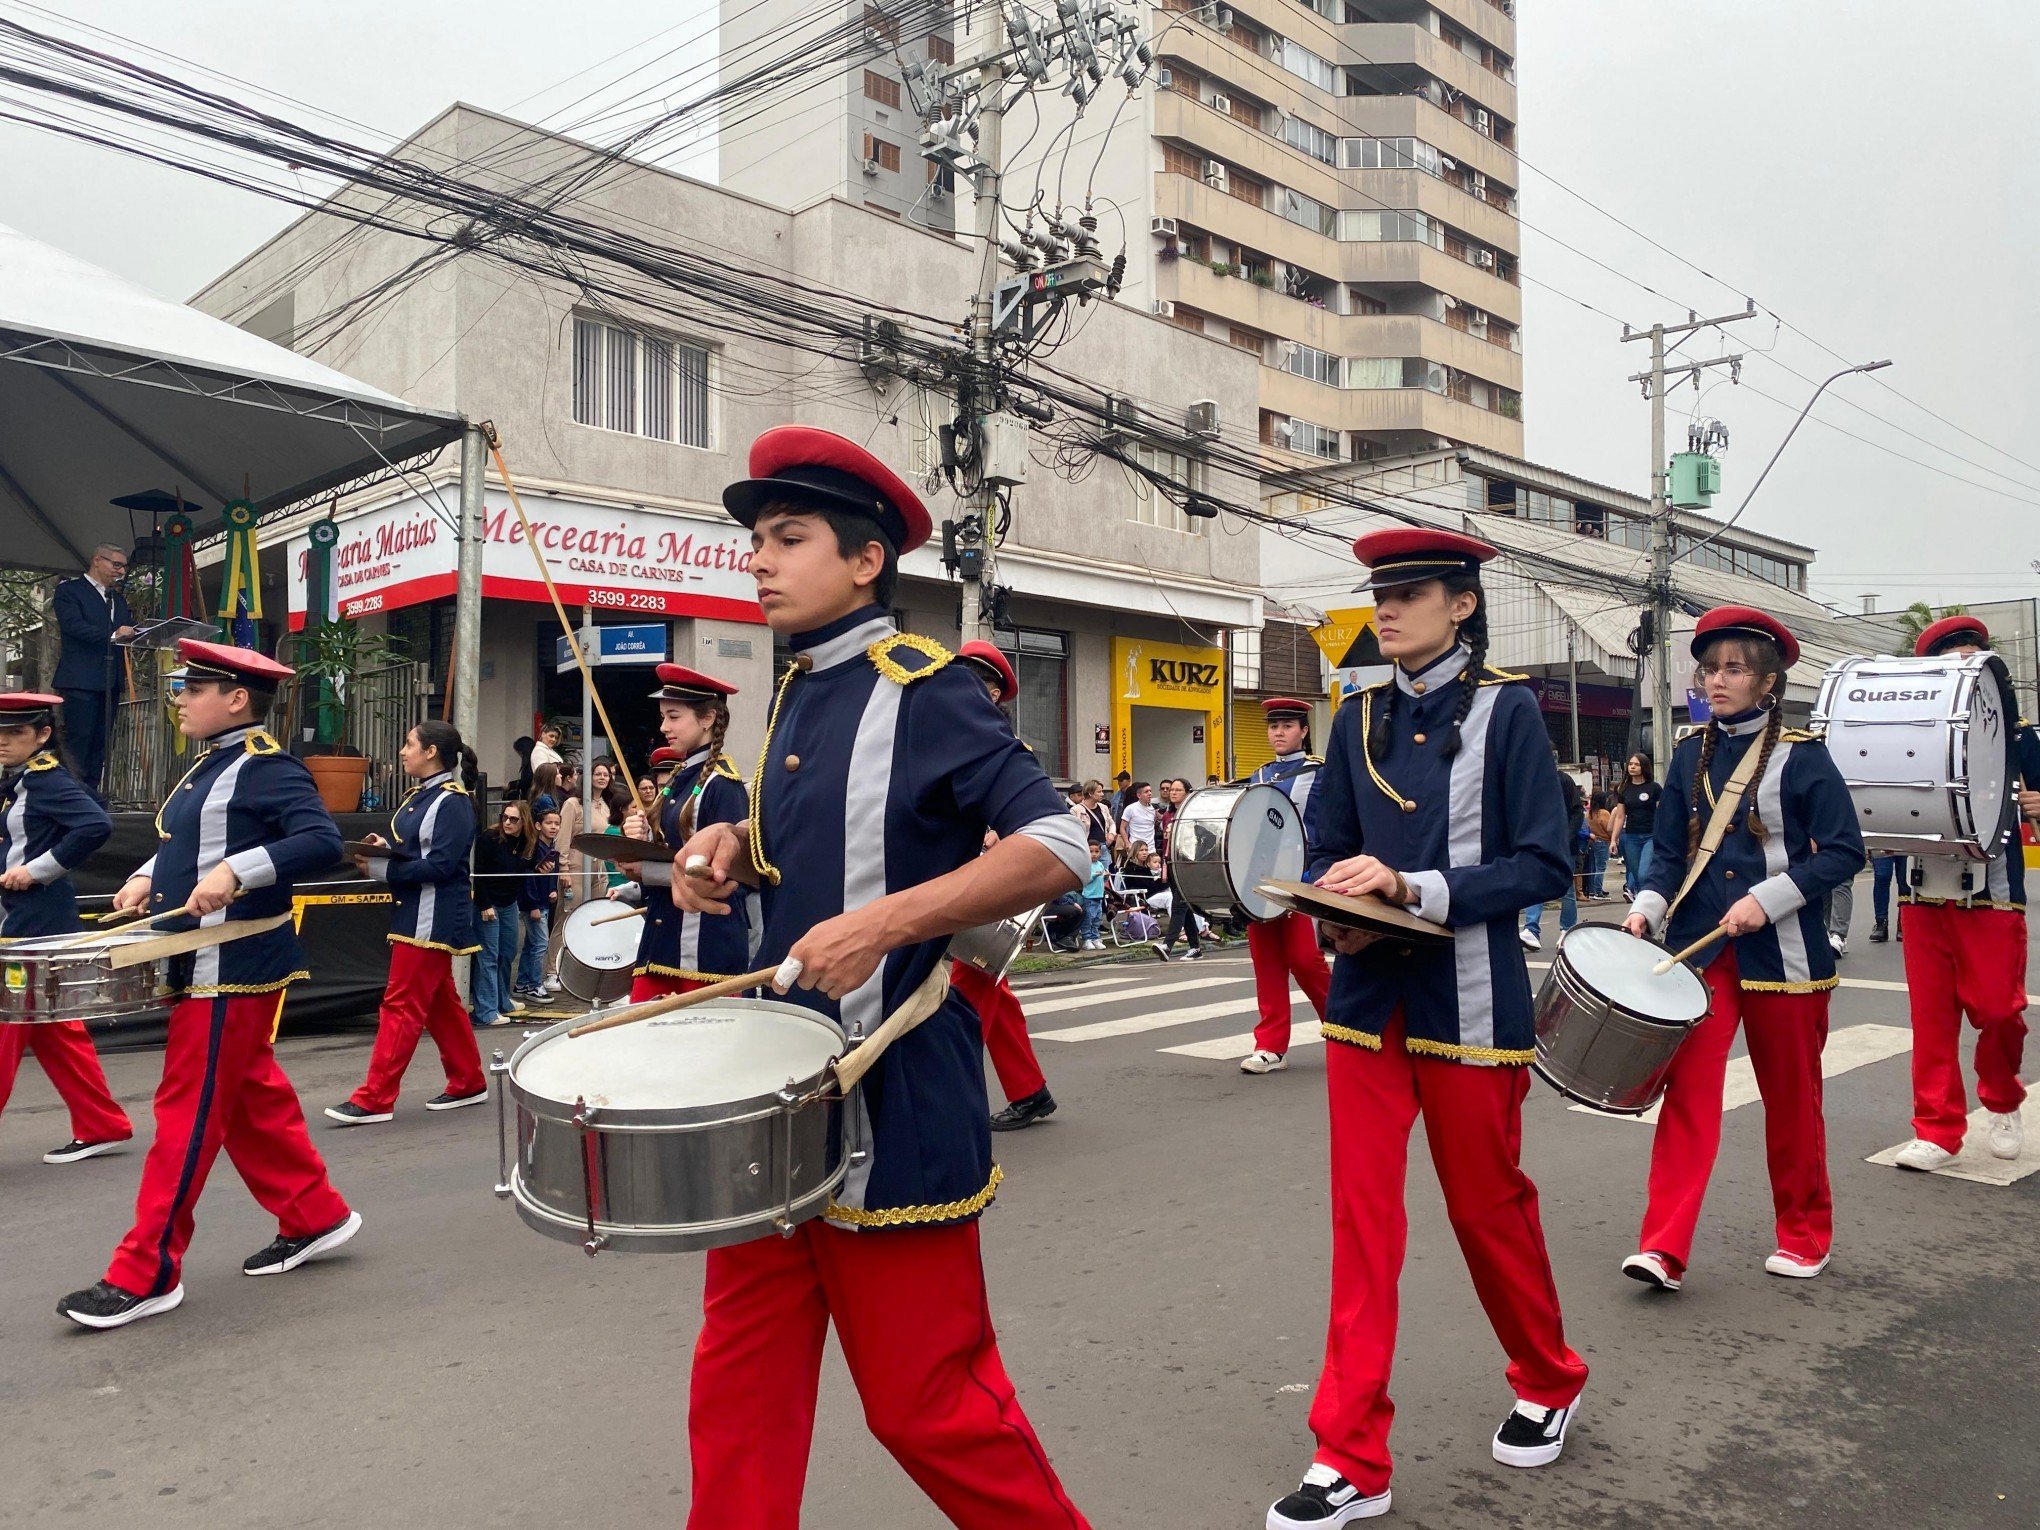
(640, 562)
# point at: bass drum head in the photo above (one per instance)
(1263, 842)
(1620, 967)
(607, 947)
(1992, 762)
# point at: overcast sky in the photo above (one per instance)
(1874, 182)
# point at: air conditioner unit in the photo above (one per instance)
(1482, 122)
(874, 35)
(1214, 175)
(1224, 19)
(871, 167)
(1201, 419)
(1221, 103)
(1121, 417)
(1485, 259)
(1477, 317)
(1162, 308)
(1166, 227)
(1164, 79)
(937, 192)
(1480, 183)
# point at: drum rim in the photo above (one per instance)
(1221, 869)
(668, 1117)
(586, 913)
(1563, 969)
(672, 1238)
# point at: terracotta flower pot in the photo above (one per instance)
(340, 778)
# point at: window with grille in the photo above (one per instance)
(1040, 713)
(1151, 505)
(640, 384)
(887, 154)
(880, 89)
(1182, 162)
(941, 50)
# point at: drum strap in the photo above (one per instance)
(1725, 808)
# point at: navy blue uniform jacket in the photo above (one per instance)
(49, 823)
(675, 943)
(433, 831)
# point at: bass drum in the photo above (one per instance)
(1227, 841)
(1928, 748)
(598, 950)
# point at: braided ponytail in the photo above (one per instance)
(717, 729)
(1708, 735)
(1379, 735)
(1473, 632)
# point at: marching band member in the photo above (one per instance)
(1968, 957)
(998, 1007)
(1286, 945)
(883, 765)
(1439, 793)
(49, 824)
(679, 951)
(428, 870)
(1790, 838)
(236, 832)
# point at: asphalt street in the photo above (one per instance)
(1157, 1261)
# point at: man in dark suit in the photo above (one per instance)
(92, 615)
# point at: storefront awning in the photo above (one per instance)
(107, 390)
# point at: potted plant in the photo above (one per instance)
(327, 655)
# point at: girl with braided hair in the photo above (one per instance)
(1789, 841)
(680, 951)
(1439, 792)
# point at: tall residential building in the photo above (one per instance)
(1330, 185)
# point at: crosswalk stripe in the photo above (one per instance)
(1134, 1025)
(1092, 1001)
(1054, 992)
(1975, 1163)
(1853, 1047)
(1304, 1033)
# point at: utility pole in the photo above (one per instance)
(1654, 383)
(1572, 670)
(980, 393)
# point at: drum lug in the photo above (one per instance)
(790, 1101)
(499, 1070)
(591, 1168)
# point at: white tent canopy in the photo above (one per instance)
(107, 390)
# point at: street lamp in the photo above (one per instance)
(1868, 366)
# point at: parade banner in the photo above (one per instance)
(626, 559)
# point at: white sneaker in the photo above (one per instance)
(1793, 1267)
(1923, 1155)
(1838, 945)
(1531, 939)
(1652, 1268)
(1263, 1061)
(2007, 1135)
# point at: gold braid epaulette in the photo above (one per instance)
(724, 766)
(43, 761)
(881, 655)
(259, 742)
(1500, 677)
(1801, 736)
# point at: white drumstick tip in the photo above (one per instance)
(1663, 967)
(787, 975)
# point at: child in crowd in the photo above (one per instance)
(1094, 898)
(541, 891)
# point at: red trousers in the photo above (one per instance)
(222, 1088)
(420, 996)
(1786, 1033)
(1473, 1121)
(655, 985)
(910, 1312)
(1005, 1027)
(1285, 945)
(1964, 961)
(65, 1051)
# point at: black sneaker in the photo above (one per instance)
(1533, 1436)
(1160, 949)
(347, 1113)
(78, 1148)
(286, 1254)
(455, 1101)
(108, 1306)
(1880, 932)
(1037, 1106)
(1194, 954)
(1325, 1498)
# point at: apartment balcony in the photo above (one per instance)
(1270, 311)
(1400, 48)
(1485, 19)
(1262, 154)
(1209, 53)
(1414, 117)
(1382, 410)
(1415, 191)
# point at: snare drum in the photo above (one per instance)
(1227, 841)
(1607, 1025)
(991, 947)
(596, 957)
(46, 978)
(1927, 747)
(693, 1130)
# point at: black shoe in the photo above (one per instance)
(108, 1306)
(1880, 932)
(1035, 1107)
(1533, 1436)
(1325, 1498)
(347, 1113)
(78, 1148)
(1194, 954)
(1160, 948)
(455, 1101)
(286, 1254)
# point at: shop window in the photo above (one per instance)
(640, 383)
(1040, 713)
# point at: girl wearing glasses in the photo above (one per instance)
(1791, 839)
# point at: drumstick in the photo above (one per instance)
(83, 937)
(134, 953)
(922, 1003)
(1699, 945)
(629, 913)
(671, 1002)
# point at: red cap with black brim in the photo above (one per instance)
(808, 469)
(1745, 622)
(679, 683)
(223, 661)
(1412, 554)
(994, 664)
(1947, 632)
(32, 708)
